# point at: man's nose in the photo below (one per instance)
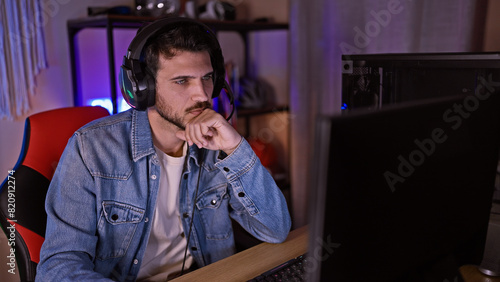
(201, 91)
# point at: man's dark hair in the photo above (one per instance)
(184, 36)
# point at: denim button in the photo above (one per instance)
(213, 202)
(226, 169)
(114, 217)
(185, 215)
(136, 261)
(146, 219)
(241, 194)
(153, 176)
(186, 176)
(194, 248)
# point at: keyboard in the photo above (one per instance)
(292, 270)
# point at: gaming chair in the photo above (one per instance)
(22, 194)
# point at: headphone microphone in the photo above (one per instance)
(138, 84)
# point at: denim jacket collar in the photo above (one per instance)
(141, 136)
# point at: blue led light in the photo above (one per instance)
(123, 106)
(103, 102)
(106, 103)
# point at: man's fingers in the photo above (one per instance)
(195, 134)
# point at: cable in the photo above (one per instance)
(230, 95)
(202, 151)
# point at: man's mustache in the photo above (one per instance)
(199, 105)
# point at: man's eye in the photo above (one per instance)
(207, 77)
(180, 81)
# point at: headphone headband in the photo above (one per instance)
(136, 47)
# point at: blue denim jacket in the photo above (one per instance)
(102, 197)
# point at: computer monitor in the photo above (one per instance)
(403, 193)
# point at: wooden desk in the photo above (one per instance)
(470, 273)
(250, 263)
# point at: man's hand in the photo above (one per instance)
(211, 131)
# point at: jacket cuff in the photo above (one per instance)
(238, 162)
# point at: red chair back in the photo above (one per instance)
(22, 195)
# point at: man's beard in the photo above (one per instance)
(166, 112)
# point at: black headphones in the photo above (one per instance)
(137, 83)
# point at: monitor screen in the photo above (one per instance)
(403, 193)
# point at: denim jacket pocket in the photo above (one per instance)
(116, 227)
(213, 207)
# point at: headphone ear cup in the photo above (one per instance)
(147, 96)
(137, 84)
(127, 83)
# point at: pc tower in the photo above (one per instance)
(376, 80)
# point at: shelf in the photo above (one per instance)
(124, 21)
(247, 114)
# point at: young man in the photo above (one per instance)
(134, 190)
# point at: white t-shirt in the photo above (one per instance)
(165, 250)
